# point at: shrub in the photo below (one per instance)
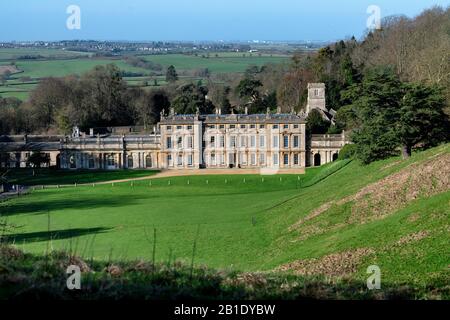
(347, 152)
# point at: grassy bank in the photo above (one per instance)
(25, 276)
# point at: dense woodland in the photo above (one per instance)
(391, 89)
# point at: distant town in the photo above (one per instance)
(158, 47)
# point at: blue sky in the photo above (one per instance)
(197, 19)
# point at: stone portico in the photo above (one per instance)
(111, 152)
(324, 148)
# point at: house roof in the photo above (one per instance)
(18, 143)
(234, 118)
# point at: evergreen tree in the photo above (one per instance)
(192, 97)
(171, 74)
(315, 123)
(378, 109)
(422, 118)
(393, 115)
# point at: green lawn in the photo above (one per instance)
(237, 224)
(30, 177)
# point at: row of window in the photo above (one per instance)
(179, 142)
(244, 142)
(233, 126)
(110, 161)
(189, 127)
(220, 160)
(180, 160)
(148, 161)
(251, 126)
(252, 141)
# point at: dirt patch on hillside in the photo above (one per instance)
(251, 281)
(386, 196)
(333, 265)
(414, 237)
(314, 230)
(313, 214)
(413, 218)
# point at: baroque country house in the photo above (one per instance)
(270, 140)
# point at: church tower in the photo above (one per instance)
(316, 97)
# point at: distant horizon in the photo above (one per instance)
(264, 41)
(190, 21)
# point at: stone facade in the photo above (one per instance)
(234, 140)
(111, 152)
(191, 142)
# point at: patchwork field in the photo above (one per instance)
(60, 68)
(15, 53)
(222, 63)
(336, 220)
(60, 63)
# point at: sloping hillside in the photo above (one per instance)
(392, 213)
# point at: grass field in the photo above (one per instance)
(62, 177)
(60, 68)
(14, 53)
(244, 225)
(224, 63)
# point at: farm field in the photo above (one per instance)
(61, 68)
(60, 63)
(255, 224)
(223, 63)
(14, 53)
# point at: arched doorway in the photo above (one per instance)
(72, 162)
(335, 156)
(110, 162)
(148, 161)
(130, 162)
(58, 161)
(317, 160)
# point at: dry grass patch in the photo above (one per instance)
(414, 237)
(384, 197)
(394, 192)
(414, 217)
(313, 214)
(333, 265)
